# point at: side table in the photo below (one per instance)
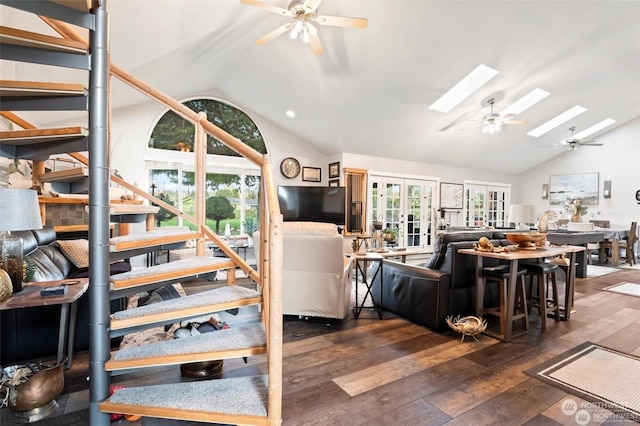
(30, 297)
(361, 260)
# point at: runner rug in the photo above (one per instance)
(605, 377)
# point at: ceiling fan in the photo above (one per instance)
(304, 14)
(492, 122)
(573, 143)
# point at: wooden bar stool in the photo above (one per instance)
(500, 274)
(544, 274)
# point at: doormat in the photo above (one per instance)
(631, 289)
(608, 379)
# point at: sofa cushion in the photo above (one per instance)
(77, 251)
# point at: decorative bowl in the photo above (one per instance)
(526, 240)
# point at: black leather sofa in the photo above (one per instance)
(32, 333)
(444, 285)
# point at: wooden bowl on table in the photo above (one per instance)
(526, 240)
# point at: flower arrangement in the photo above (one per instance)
(575, 207)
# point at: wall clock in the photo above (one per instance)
(290, 167)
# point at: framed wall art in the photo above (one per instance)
(562, 188)
(311, 174)
(451, 195)
(334, 182)
(334, 170)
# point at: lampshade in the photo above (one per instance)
(521, 214)
(19, 211)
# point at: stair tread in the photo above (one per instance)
(181, 268)
(189, 306)
(237, 396)
(159, 236)
(19, 37)
(67, 175)
(9, 88)
(245, 337)
(18, 137)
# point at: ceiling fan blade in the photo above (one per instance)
(586, 143)
(515, 122)
(310, 6)
(315, 43)
(342, 21)
(269, 7)
(275, 33)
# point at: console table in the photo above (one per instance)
(506, 315)
(30, 297)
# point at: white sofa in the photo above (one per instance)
(317, 277)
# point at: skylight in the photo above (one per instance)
(591, 130)
(555, 122)
(465, 87)
(526, 102)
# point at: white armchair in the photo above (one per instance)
(317, 277)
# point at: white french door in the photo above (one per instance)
(486, 205)
(405, 205)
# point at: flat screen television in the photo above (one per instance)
(312, 203)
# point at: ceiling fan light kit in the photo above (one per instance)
(303, 13)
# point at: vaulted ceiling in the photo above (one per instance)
(369, 92)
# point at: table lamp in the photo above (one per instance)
(522, 215)
(19, 211)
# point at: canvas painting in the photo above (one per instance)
(563, 188)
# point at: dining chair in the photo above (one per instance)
(585, 227)
(601, 223)
(607, 247)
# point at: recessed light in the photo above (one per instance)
(290, 113)
(525, 102)
(601, 125)
(555, 122)
(465, 87)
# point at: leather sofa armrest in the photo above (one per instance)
(414, 292)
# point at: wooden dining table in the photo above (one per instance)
(513, 257)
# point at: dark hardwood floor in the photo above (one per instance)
(393, 372)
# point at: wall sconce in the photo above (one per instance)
(607, 189)
(545, 191)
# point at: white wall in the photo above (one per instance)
(618, 160)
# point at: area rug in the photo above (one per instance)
(596, 270)
(608, 379)
(631, 289)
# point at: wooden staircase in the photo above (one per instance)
(254, 400)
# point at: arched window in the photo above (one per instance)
(172, 175)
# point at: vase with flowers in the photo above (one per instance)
(576, 209)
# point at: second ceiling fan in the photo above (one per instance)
(573, 143)
(304, 13)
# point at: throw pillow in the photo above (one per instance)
(77, 251)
